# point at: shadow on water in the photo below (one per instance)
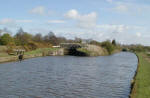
(75, 52)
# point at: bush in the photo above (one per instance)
(138, 48)
(30, 46)
(10, 48)
(114, 42)
(6, 39)
(108, 46)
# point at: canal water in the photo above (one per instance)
(69, 77)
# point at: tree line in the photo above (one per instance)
(31, 42)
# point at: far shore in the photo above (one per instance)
(91, 51)
(15, 58)
(32, 54)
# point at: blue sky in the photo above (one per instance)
(127, 21)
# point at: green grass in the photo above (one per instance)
(3, 51)
(3, 54)
(89, 53)
(38, 51)
(148, 54)
(84, 50)
(142, 82)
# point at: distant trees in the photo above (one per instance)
(108, 45)
(38, 37)
(53, 39)
(6, 39)
(25, 39)
(20, 31)
(95, 43)
(50, 38)
(51, 34)
(22, 38)
(1, 32)
(114, 42)
(31, 42)
(78, 40)
(138, 48)
(34, 41)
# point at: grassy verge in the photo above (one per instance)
(40, 50)
(87, 52)
(4, 57)
(141, 87)
(93, 50)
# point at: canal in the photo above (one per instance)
(69, 77)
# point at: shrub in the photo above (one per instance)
(10, 48)
(6, 39)
(114, 42)
(108, 45)
(137, 48)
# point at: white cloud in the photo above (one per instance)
(72, 14)
(114, 28)
(24, 21)
(40, 10)
(56, 21)
(7, 21)
(121, 8)
(110, 1)
(86, 21)
(138, 34)
(130, 8)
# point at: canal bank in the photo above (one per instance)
(141, 83)
(133, 84)
(90, 50)
(94, 50)
(32, 54)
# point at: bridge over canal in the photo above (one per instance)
(71, 48)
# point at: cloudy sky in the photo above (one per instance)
(127, 21)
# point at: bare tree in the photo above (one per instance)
(38, 37)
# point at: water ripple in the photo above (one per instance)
(68, 77)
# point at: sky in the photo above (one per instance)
(126, 21)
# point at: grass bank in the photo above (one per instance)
(40, 51)
(141, 87)
(4, 57)
(93, 50)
